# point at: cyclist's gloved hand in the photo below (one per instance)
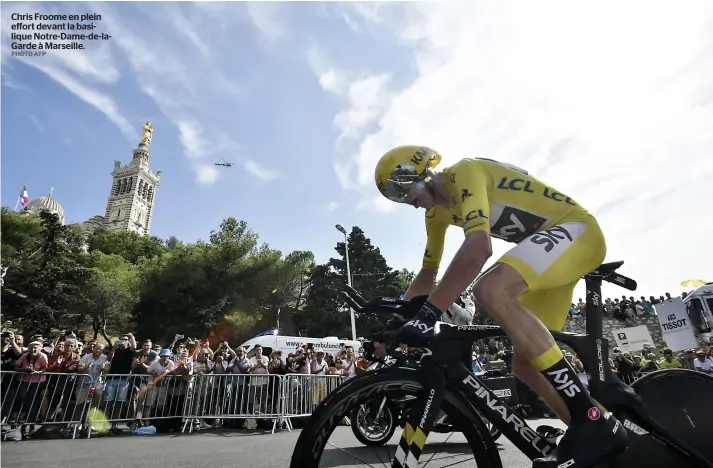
(419, 331)
(395, 323)
(409, 310)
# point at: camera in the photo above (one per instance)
(5, 334)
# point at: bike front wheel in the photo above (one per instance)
(315, 447)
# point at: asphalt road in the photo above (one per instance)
(223, 449)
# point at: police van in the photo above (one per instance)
(289, 344)
(699, 305)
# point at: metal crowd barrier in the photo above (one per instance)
(81, 403)
(229, 400)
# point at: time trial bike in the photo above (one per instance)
(666, 413)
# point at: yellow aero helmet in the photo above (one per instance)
(401, 167)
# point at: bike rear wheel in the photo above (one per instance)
(676, 398)
(391, 383)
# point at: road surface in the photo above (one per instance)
(224, 449)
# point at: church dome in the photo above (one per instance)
(46, 203)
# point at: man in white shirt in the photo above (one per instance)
(158, 390)
(703, 363)
(91, 364)
(258, 380)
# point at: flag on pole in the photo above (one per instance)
(24, 198)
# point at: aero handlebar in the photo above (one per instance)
(387, 304)
(378, 304)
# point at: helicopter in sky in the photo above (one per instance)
(224, 163)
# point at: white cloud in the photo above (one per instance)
(604, 107)
(190, 134)
(186, 28)
(206, 173)
(260, 171)
(332, 206)
(11, 82)
(267, 18)
(36, 121)
(91, 96)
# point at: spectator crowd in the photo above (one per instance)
(141, 383)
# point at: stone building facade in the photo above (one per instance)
(133, 190)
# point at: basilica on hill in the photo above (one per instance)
(131, 199)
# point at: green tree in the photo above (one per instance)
(46, 288)
(128, 244)
(326, 313)
(21, 231)
(112, 293)
(191, 290)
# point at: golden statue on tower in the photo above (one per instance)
(147, 135)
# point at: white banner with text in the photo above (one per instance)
(632, 338)
(675, 324)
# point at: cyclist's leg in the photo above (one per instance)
(544, 261)
(555, 300)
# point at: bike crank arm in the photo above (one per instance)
(420, 420)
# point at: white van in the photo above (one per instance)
(699, 305)
(288, 344)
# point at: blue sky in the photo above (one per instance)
(304, 98)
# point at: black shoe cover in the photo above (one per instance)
(587, 443)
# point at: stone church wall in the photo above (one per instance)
(577, 325)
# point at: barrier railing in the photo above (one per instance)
(78, 403)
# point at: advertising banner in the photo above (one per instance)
(632, 338)
(675, 324)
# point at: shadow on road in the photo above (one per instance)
(437, 452)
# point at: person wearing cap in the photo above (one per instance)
(163, 364)
(702, 362)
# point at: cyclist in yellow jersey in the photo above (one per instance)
(528, 290)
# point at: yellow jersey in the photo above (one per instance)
(498, 198)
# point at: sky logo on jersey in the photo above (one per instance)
(551, 237)
(421, 326)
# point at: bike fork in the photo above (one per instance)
(420, 420)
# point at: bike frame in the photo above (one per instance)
(444, 369)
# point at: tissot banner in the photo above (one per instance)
(675, 324)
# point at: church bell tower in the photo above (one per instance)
(132, 197)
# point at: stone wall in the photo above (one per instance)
(577, 325)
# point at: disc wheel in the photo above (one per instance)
(315, 447)
(678, 400)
